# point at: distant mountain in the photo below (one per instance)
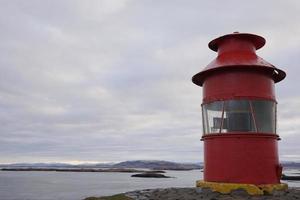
(291, 165)
(55, 165)
(157, 165)
(146, 164)
(40, 165)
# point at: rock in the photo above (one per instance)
(150, 175)
(290, 178)
(205, 194)
(239, 193)
(279, 193)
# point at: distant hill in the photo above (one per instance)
(291, 165)
(146, 164)
(55, 165)
(40, 165)
(157, 165)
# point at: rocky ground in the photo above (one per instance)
(198, 194)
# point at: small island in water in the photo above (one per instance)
(150, 174)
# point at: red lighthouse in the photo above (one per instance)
(239, 117)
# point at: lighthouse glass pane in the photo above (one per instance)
(205, 120)
(212, 117)
(238, 117)
(265, 115)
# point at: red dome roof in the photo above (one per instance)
(237, 51)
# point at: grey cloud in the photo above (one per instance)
(111, 80)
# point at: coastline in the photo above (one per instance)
(122, 170)
(198, 193)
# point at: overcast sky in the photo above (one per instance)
(110, 80)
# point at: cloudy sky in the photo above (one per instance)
(110, 80)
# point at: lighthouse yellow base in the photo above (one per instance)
(251, 189)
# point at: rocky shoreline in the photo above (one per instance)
(121, 170)
(198, 193)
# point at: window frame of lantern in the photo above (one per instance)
(267, 115)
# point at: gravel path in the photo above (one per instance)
(204, 194)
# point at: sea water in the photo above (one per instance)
(26, 185)
(37, 185)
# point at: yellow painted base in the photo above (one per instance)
(251, 189)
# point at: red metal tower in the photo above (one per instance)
(239, 117)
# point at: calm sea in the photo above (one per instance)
(78, 185)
